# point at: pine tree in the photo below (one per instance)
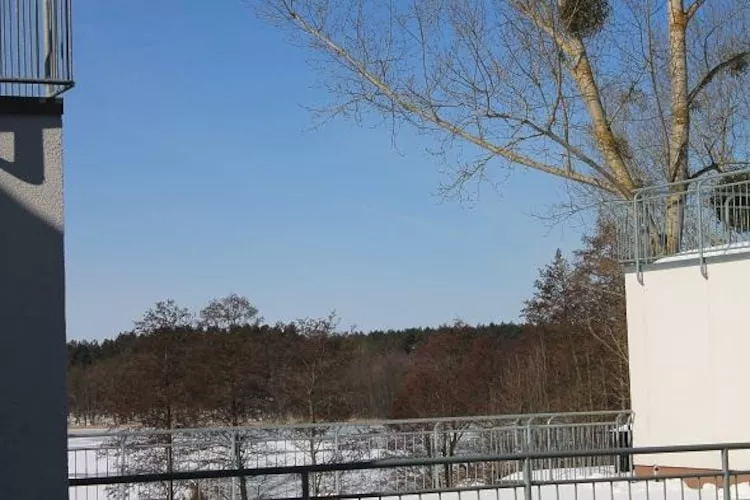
(552, 302)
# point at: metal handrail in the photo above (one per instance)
(525, 418)
(390, 463)
(304, 471)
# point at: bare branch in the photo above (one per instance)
(612, 344)
(515, 83)
(582, 72)
(562, 142)
(694, 8)
(709, 168)
(708, 78)
(430, 113)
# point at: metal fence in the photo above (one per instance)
(533, 483)
(112, 454)
(691, 219)
(35, 48)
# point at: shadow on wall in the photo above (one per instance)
(24, 144)
(32, 314)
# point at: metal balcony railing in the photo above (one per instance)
(697, 218)
(525, 478)
(98, 456)
(35, 48)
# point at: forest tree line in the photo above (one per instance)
(225, 366)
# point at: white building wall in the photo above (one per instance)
(689, 341)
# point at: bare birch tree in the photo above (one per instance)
(611, 95)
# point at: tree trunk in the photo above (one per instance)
(605, 137)
(680, 133)
(675, 220)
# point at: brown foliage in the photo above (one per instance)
(439, 383)
(571, 356)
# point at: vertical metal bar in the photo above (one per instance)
(305, 485)
(69, 54)
(637, 243)
(54, 35)
(433, 451)
(527, 478)
(337, 458)
(682, 490)
(3, 31)
(235, 457)
(36, 47)
(529, 424)
(29, 50)
(17, 69)
(744, 207)
(549, 446)
(493, 451)
(702, 256)
(615, 437)
(21, 26)
(49, 46)
(3, 43)
(725, 472)
(123, 487)
(46, 47)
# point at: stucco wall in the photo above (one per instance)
(32, 306)
(689, 342)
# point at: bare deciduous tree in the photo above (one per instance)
(229, 312)
(166, 315)
(609, 94)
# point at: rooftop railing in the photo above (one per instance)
(692, 219)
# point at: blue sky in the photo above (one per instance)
(192, 172)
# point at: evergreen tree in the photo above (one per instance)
(552, 302)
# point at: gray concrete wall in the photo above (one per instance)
(33, 443)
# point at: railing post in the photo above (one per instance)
(529, 430)
(527, 478)
(123, 487)
(527, 461)
(725, 473)
(235, 456)
(305, 485)
(337, 458)
(637, 244)
(701, 250)
(434, 451)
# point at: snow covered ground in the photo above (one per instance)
(735, 248)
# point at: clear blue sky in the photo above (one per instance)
(192, 172)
